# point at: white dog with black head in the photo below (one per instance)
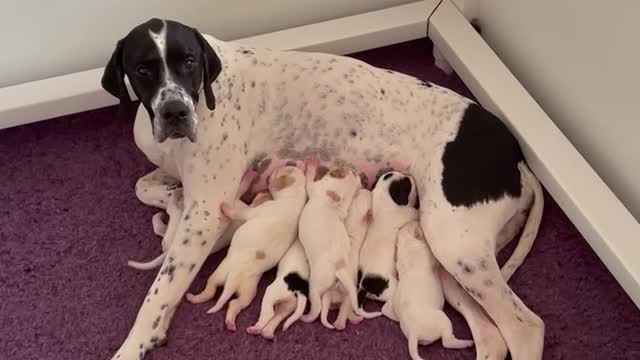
(264, 104)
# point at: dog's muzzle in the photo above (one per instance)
(175, 119)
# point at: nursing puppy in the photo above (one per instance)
(286, 295)
(258, 245)
(175, 208)
(356, 225)
(418, 299)
(324, 236)
(393, 205)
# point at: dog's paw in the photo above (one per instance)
(230, 325)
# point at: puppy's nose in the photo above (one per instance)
(174, 111)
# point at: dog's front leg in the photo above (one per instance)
(200, 227)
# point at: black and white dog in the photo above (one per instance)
(268, 107)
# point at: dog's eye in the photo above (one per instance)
(143, 71)
(189, 63)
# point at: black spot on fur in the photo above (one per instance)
(382, 91)
(353, 133)
(466, 268)
(191, 267)
(164, 306)
(185, 241)
(253, 84)
(481, 163)
(374, 284)
(484, 265)
(155, 292)
(425, 84)
(155, 323)
(399, 190)
(296, 283)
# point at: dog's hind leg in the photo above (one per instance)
(486, 336)
(246, 294)
(463, 242)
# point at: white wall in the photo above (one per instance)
(42, 39)
(580, 61)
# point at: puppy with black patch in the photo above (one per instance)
(356, 223)
(258, 245)
(324, 236)
(418, 298)
(393, 205)
(175, 208)
(290, 286)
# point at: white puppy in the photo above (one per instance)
(393, 205)
(290, 286)
(356, 224)
(418, 299)
(324, 236)
(175, 208)
(258, 245)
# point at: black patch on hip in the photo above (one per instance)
(481, 163)
(374, 284)
(399, 190)
(296, 283)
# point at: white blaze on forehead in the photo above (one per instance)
(168, 85)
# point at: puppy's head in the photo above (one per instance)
(396, 187)
(285, 180)
(167, 63)
(340, 186)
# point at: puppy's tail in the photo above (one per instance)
(149, 264)
(349, 285)
(230, 287)
(531, 227)
(302, 303)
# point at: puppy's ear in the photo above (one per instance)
(113, 80)
(211, 69)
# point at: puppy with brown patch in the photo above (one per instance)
(286, 295)
(258, 244)
(356, 224)
(175, 208)
(393, 205)
(418, 298)
(323, 234)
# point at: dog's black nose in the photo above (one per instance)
(174, 111)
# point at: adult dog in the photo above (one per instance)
(262, 104)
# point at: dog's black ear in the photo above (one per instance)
(113, 80)
(211, 69)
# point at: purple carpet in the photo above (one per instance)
(70, 221)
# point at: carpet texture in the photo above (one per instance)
(70, 220)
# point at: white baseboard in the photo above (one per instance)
(600, 217)
(609, 228)
(68, 94)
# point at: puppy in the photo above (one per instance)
(258, 244)
(175, 208)
(393, 205)
(290, 286)
(356, 225)
(418, 299)
(324, 236)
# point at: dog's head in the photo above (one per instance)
(396, 188)
(167, 63)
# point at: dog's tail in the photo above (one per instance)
(531, 227)
(149, 264)
(215, 280)
(302, 303)
(350, 287)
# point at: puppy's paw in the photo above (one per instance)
(252, 330)
(230, 325)
(227, 210)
